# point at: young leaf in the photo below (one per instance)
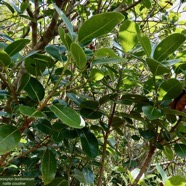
(180, 150)
(9, 138)
(128, 35)
(78, 55)
(98, 25)
(151, 112)
(48, 166)
(156, 67)
(5, 59)
(35, 89)
(67, 115)
(176, 181)
(16, 46)
(145, 43)
(168, 46)
(89, 143)
(96, 74)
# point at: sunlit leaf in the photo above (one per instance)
(98, 25)
(128, 35)
(167, 46)
(5, 59)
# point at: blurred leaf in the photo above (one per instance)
(89, 104)
(176, 181)
(16, 46)
(89, 143)
(44, 126)
(168, 45)
(67, 115)
(170, 89)
(96, 74)
(98, 25)
(147, 134)
(105, 61)
(30, 111)
(145, 43)
(168, 153)
(151, 112)
(35, 89)
(55, 51)
(90, 114)
(58, 182)
(162, 173)
(147, 3)
(48, 166)
(78, 55)
(65, 20)
(156, 67)
(9, 138)
(5, 59)
(180, 150)
(128, 35)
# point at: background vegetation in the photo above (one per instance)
(92, 92)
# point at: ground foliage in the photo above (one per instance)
(92, 92)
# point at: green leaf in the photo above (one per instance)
(8, 6)
(30, 111)
(90, 114)
(104, 61)
(5, 59)
(58, 182)
(147, 134)
(89, 104)
(168, 46)
(54, 51)
(48, 166)
(44, 126)
(16, 46)
(96, 74)
(147, 3)
(156, 67)
(63, 36)
(35, 66)
(162, 173)
(106, 52)
(168, 153)
(151, 112)
(35, 89)
(89, 143)
(176, 181)
(170, 89)
(128, 35)
(145, 43)
(78, 55)
(23, 81)
(9, 138)
(180, 150)
(67, 115)
(65, 19)
(98, 25)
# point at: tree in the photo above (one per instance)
(93, 92)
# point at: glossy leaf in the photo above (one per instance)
(145, 43)
(156, 67)
(78, 55)
(180, 150)
(168, 46)
(48, 166)
(128, 35)
(5, 59)
(89, 143)
(30, 111)
(54, 51)
(151, 112)
(98, 25)
(35, 89)
(16, 46)
(89, 104)
(90, 114)
(170, 89)
(67, 115)
(9, 138)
